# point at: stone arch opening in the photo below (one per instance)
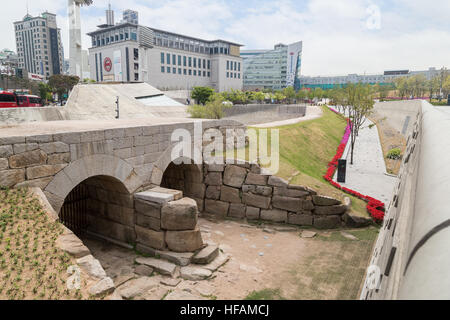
(100, 206)
(187, 178)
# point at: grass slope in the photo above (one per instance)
(31, 265)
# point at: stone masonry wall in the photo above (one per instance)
(245, 191)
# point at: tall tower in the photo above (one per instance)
(109, 16)
(75, 55)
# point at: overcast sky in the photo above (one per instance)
(339, 36)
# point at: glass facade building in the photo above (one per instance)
(272, 69)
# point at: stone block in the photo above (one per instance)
(123, 153)
(68, 137)
(156, 197)
(307, 205)
(122, 215)
(354, 221)
(114, 133)
(151, 238)
(213, 192)
(40, 139)
(215, 167)
(327, 222)
(6, 151)
(216, 207)
(36, 183)
(277, 182)
(263, 191)
(111, 229)
(248, 188)
(300, 219)
(179, 215)
(92, 266)
(252, 213)
(194, 273)
(287, 203)
(24, 147)
(27, 159)
(54, 147)
(234, 176)
(237, 210)
(4, 164)
(330, 210)
(274, 215)
(179, 258)
(150, 131)
(325, 201)
(256, 200)
(293, 193)
(9, 178)
(177, 194)
(213, 179)
(229, 194)
(91, 136)
(143, 140)
(148, 222)
(206, 255)
(133, 131)
(58, 158)
(11, 140)
(256, 179)
(121, 143)
(184, 241)
(195, 190)
(44, 171)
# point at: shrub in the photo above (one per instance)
(212, 110)
(394, 154)
(202, 94)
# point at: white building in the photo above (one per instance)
(128, 52)
(131, 16)
(39, 46)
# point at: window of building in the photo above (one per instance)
(184, 61)
(168, 69)
(136, 66)
(195, 62)
(179, 70)
(168, 58)
(184, 71)
(204, 63)
(174, 70)
(179, 60)
(162, 57)
(174, 60)
(136, 77)
(239, 66)
(133, 36)
(195, 72)
(190, 62)
(228, 65)
(162, 69)
(190, 72)
(209, 74)
(228, 74)
(209, 64)
(136, 53)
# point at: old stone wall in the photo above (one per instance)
(245, 191)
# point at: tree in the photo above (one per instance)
(258, 96)
(443, 76)
(213, 109)
(62, 84)
(433, 86)
(202, 94)
(301, 95)
(289, 93)
(44, 91)
(361, 104)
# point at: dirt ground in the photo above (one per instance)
(279, 265)
(390, 139)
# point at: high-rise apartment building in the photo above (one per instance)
(131, 16)
(39, 46)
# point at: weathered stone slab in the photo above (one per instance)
(24, 147)
(179, 258)
(71, 244)
(58, 158)
(147, 208)
(170, 282)
(256, 200)
(325, 201)
(252, 213)
(215, 167)
(206, 255)
(213, 192)
(195, 273)
(35, 183)
(217, 262)
(308, 234)
(354, 221)
(307, 205)
(300, 219)
(156, 197)
(327, 222)
(136, 287)
(287, 203)
(183, 295)
(216, 207)
(256, 179)
(103, 287)
(274, 215)
(160, 266)
(179, 215)
(151, 238)
(229, 194)
(27, 159)
(263, 191)
(148, 222)
(184, 241)
(143, 270)
(213, 179)
(237, 210)
(9, 178)
(54, 147)
(44, 171)
(277, 182)
(4, 164)
(293, 193)
(234, 176)
(92, 266)
(177, 194)
(330, 210)
(6, 151)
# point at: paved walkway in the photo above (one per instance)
(368, 175)
(312, 112)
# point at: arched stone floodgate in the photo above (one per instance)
(100, 206)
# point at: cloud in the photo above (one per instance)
(413, 34)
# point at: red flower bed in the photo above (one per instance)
(375, 207)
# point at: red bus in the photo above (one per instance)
(8, 99)
(28, 100)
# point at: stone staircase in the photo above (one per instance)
(167, 231)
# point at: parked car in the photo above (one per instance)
(29, 100)
(8, 99)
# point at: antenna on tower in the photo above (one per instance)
(27, 8)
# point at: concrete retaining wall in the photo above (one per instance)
(251, 108)
(411, 258)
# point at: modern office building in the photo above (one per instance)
(131, 16)
(128, 52)
(39, 46)
(273, 69)
(9, 62)
(387, 78)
